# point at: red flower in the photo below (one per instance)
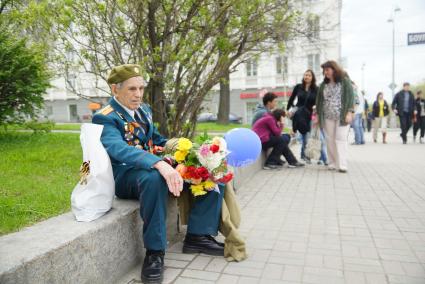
(226, 178)
(214, 148)
(203, 173)
(192, 173)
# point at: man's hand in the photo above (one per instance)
(395, 111)
(349, 117)
(171, 176)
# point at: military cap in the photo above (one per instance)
(124, 72)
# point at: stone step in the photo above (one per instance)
(61, 250)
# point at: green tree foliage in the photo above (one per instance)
(185, 46)
(23, 79)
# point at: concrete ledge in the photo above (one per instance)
(62, 250)
(245, 173)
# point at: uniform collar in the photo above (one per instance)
(129, 111)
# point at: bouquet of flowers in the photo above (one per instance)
(202, 165)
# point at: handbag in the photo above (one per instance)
(314, 145)
(93, 195)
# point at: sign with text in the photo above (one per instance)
(415, 38)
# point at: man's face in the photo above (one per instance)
(130, 94)
(272, 105)
(406, 87)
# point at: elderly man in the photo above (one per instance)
(128, 136)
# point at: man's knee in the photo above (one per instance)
(153, 182)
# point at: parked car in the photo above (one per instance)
(210, 117)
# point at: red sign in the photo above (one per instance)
(256, 95)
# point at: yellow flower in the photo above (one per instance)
(198, 190)
(216, 141)
(180, 156)
(209, 185)
(184, 144)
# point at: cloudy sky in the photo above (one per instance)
(367, 38)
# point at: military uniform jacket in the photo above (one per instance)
(125, 141)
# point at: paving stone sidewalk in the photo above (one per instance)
(313, 225)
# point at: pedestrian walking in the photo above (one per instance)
(358, 117)
(420, 117)
(335, 108)
(380, 117)
(305, 94)
(403, 105)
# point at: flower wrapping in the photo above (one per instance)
(202, 165)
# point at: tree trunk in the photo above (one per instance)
(224, 105)
(156, 99)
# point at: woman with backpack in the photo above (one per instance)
(305, 93)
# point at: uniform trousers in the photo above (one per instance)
(151, 190)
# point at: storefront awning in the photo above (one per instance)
(257, 95)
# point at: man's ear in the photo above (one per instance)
(114, 89)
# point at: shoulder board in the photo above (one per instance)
(106, 110)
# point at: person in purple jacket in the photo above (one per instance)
(269, 129)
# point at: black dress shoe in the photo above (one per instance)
(214, 240)
(153, 267)
(202, 244)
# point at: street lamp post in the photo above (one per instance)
(393, 85)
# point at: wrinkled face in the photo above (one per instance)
(406, 87)
(130, 92)
(308, 77)
(272, 104)
(329, 73)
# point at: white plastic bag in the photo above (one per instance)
(92, 196)
(314, 145)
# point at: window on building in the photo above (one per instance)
(313, 62)
(73, 114)
(251, 68)
(282, 65)
(313, 25)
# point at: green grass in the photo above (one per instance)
(60, 126)
(214, 127)
(67, 126)
(37, 176)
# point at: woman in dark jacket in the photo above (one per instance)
(335, 108)
(306, 98)
(420, 117)
(380, 112)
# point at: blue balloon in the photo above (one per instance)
(244, 146)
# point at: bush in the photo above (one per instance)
(40, 127)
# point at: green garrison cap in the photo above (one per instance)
(124, 72)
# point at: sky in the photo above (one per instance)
(367, 39)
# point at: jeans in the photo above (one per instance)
(405, 123)
(419, 124)
(358, 129)
(323, 156)
(304, 140)
(280, 147)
